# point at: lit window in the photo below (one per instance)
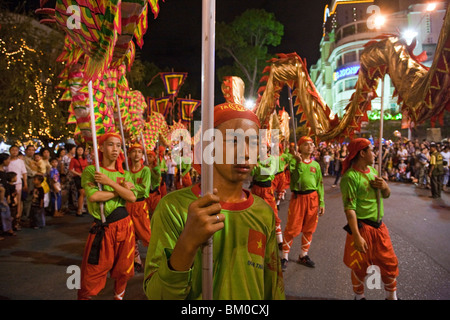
(350, 84)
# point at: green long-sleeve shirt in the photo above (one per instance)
(282, 161)
(265, 170)
(306, 175)
(358, 194)
(246, 264)
(186, 164)
(142, 181)
(90, 186)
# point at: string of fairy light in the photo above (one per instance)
(41, 91)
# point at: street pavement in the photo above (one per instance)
(35, 264)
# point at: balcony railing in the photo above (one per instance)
(355, 31)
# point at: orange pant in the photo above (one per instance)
(139, 213)
(116, 257)
(267, 194)
(303, 215)
(380, 253)
(186, 181)
(163, 189)
(278, 184)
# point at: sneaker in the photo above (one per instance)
(306, 261)
(333, 186)
(284, 263)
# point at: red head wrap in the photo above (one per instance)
(135, 146)
(303, 140)
(227, 111)
(120, 158)
(355, 146)
(153, 154)
(224, 112)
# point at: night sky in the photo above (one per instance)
(173, 39)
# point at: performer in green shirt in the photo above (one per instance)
(183, 176)
(279, 181)
(307, 201)
(155, 193)
(368, 241)
(110, 245)
(245, 252)
(139, 210)
(263, 175)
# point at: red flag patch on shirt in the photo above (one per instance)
(312, 169)
(120, 180)
(256, 242)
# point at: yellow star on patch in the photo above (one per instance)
(259, 244)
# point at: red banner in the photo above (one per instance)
(173, 81)
(187, 108)
(161, 105)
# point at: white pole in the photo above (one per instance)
(380, 147)
(145, 149)
(291, 106)
(94, 144)
(208, 55)
(124, 145)
(294, 127)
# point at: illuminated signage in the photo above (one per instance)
(376, 115)
(345, 72)
(326, 13)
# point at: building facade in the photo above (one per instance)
(348, 25)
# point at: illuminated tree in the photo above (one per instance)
(246, 40)
(30, 109)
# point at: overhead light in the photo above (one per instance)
(249, 103)
(409, 36)
(379, 21)
(431, 6)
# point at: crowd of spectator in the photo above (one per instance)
(403, 161)
(35, 184)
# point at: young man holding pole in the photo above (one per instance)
(139, 210)
(368, 241)
(245, 253)
(110, 244)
